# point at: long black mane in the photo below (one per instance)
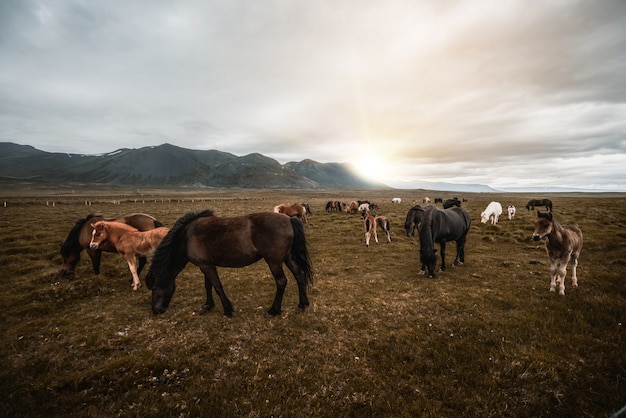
(427, 245)
(169, 257)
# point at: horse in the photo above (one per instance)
(369, 222)
(492, 212)
(307, 207)
(563, 243)
(296, 210)
(426, 199)
(438, 200)
(413, 219)
(353, 207)
(539, 202)
(511, 212)
(372, 223)
(333, 206)
(441, 226)
(396, 200)
(128, 241)
(364, 207)
(210, 241)
(79, 238)
(452, 202)
(383, 223)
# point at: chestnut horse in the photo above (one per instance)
(563, 243)
(79, 238)
(209, 241)
(296, 210)
(128, 241)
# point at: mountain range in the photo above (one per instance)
(167, 165)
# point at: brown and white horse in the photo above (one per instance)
(563, 244)
(296, 210)
(371, 224)
(128, 241)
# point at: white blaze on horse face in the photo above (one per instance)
(93, 245)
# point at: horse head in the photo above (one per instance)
(543, 225)
(98, 236)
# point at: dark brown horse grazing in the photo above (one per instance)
(563, 243)
(539, 202)
(292, 210)
(209, 241)
(128, 241)
(80, 236)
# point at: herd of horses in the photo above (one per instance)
(209, 241)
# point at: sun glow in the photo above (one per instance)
(372, 167)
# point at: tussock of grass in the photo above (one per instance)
(483, 339)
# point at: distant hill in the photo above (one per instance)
(168, 165)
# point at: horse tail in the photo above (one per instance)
(170, 256)
(300, 251)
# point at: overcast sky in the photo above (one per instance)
(504, 93)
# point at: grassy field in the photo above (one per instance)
(483, 339)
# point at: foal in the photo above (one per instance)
(371, 223)
(563, 243)
(128, 241)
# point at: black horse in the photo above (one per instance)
(413, 219)
(539, 202)
(441, 226)
(209, 241)
(452, 202)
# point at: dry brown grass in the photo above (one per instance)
(483, 339)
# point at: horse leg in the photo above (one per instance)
(367, 239)
(443, 255)
(574, 265)
(300, 278)
(131, 260)
(388, 236)
(210, 272)
(95, 256)
(376, 236)
(142, 262)
(281, 282)
(553, 273)
(210, 303)
(460, 251)
(562, 272)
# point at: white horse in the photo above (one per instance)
(493, 211)
(396, 200)
(364, 207)
(511, 211)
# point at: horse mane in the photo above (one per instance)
(71, 243)
(169, 255)
(426, 234)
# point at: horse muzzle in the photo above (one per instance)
(536, 237)
(93, 246)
